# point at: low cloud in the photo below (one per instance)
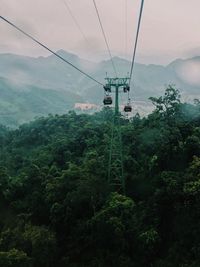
(166, 26)
(190, 72)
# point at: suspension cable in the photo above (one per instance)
(136, 40)
(54, 53)
(105, 38)
(75, 21)
(126, 27)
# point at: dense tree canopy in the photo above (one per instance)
(57, 208)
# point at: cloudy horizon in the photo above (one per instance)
(168, 29)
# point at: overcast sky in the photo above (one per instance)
(169, 30)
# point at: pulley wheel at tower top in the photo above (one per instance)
(107, 88)
(126, 88)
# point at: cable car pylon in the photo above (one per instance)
(115, 164)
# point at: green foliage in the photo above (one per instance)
(56, 205)
(14, 258)
(169, 103)
(113, 221)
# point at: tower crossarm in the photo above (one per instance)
(117, 81)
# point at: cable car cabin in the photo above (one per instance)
(107, 88)
(128, 108)
(126, 88)
(107, 100)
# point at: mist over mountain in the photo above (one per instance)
(20, 103)
(31, 87)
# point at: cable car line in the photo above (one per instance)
(116, 175)
(136, 40)
(50, 50)
(75, 21)
(105, 38)
(126, 27)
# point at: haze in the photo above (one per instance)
(169, 28)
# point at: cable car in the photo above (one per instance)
(107, 100)
(107, 88)
(126, 88)
(127, 108)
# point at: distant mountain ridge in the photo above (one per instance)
(22, 103)
(37, 86)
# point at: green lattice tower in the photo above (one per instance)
(115, 164)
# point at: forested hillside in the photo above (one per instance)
(58, 210)
(32, 87)
(20, 103)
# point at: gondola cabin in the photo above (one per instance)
(107, 100)
(127, 108)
